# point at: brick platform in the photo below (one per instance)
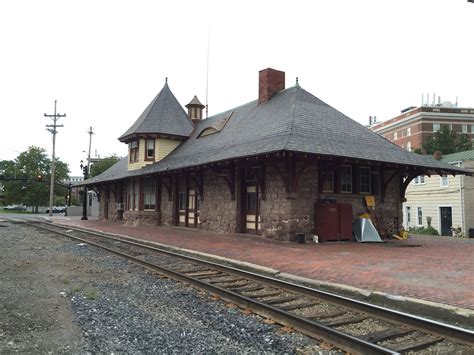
(436, 269)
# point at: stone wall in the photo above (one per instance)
(283, 215)
(217, 211)
(166, 208)
(108, 200)
(135, 218)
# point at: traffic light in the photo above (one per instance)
(39, 177)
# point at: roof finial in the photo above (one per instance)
(297, 84)
(166, 79)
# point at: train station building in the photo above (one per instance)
(283, 164)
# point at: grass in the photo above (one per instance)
(2, 211)
(90, 295)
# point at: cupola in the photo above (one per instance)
(195, 110)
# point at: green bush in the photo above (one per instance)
(421, 230)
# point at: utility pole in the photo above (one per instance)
(90, 132)
(86, 171)
(53, 129)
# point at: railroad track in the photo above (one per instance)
(348, 324)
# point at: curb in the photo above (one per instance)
(457, 316)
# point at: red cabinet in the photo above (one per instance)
(333, 221)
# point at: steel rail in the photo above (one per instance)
(443, 330)
(306, 326)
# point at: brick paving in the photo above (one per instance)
(437, 269)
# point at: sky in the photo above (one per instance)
(104, 61)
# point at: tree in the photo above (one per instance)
(446, 141)
(103, 164)
(29, 189)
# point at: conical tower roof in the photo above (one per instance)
(195, 102)
(163, 116)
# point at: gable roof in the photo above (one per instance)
(460, 156)
(164, 115)
(293, 120)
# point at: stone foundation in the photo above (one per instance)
(135, 218)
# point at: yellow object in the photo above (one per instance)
(365, 215)
(370, 202)
(402, 235)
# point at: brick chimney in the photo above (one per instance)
(438, 155)
(270, 81)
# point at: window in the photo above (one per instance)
(150, 149)
(346, 178)
(327, 175)
(149, 196)
(395, 135)
(409, 131)
(472, 128)
(409, 146)
(436, 127)
(133, 151)
(444, 181)
(464, 128)
(419, 215)
(419, 180)
(131, 192)
(182, 193)
(364, 180)
(408, 213)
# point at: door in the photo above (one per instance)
(252, 215)
(333, 221)
(327, 221)
(182, 201)
(192, 209)
(446, 214)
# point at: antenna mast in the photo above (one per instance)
(207, 75)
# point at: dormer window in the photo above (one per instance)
(133, 151)
(150, 149)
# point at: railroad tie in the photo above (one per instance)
(198, 273)
(344, 321)
(230, 281)
(282, 300)
(207, 276)
(246, 288)
(325, 315)
(292, 307)
(414, 345)
(384, 335)
(268, 294)
(238, 287)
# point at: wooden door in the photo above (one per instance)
(192, 209)
(252, 214)
(446, 220)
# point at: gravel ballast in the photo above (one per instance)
(59, 296)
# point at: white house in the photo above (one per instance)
(447, 200)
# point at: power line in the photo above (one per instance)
(53, 129)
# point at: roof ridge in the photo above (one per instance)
(293, 116)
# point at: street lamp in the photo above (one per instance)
(85, 171)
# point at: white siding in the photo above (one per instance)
(431, 196)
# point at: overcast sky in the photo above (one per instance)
(104, 61)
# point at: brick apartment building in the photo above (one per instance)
(411, 128)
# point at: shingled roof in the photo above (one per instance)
(293, 120)
(163, 116)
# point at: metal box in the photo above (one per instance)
(333, 221)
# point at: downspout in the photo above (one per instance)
(461, 190)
